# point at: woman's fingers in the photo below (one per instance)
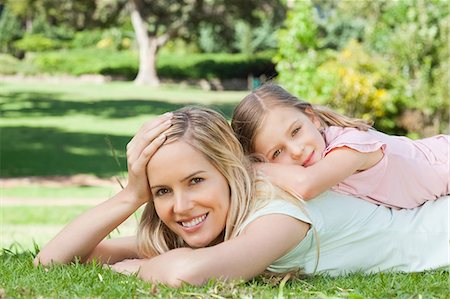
(147, 153)
(127, 267)
(145, 139)
(148, 132)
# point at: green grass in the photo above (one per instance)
(40, 214)
(66, 128)
(44, 192)
(20, 279)
(71, 128)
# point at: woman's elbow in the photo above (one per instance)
(175, 275)
(43, 260)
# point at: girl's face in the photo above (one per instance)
(190, 195)
(290, 136)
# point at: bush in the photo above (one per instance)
(398, 67)
(86, 39)
(10, 30)
(208, 66)
(172, 66)
(36, 43)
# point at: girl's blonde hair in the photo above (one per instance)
(208, 132)
(249, 114)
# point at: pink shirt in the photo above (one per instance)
(410, 172)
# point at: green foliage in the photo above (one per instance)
(210, 41)
(124, 64)
(356, 83)
(10, 29)
(397, 57)
(250, 40)
(297, 58)
(86, 38)
(36, 43)
(224, 66)
(8, 64)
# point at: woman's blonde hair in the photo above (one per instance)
(249, 114)
(208, 132)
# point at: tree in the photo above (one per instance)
(157, 21)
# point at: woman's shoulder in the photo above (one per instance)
(278, 206)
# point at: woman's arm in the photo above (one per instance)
(111, 251)
(264, 240)
(81, 238)
(326, 173)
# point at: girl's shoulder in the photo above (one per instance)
(362, 141)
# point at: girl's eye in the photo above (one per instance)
(295, 131)
(195, 181)
(161, 192)
(276, 154)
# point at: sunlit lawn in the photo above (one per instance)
(71, 128)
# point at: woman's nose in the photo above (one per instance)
(182, 203)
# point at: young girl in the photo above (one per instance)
(312, 148)
(207, 217)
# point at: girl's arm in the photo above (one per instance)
(264, 241)
(326, 173)
(81, 238)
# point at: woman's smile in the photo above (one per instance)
(191, 199)
(194, 224)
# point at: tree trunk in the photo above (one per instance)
(148, 48)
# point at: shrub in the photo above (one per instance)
(398, 67)
(36, 43)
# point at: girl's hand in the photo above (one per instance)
(128, 267)
(139, 151)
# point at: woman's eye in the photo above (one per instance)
(161, 192)
(295, 131)
(276, 154)
(195, 181)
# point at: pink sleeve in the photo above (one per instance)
(361, 141)
(365, 182)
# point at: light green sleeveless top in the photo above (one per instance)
(358, 236)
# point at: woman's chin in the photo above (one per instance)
(197, 243)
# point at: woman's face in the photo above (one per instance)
(190, 195)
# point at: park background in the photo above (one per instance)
(78, 78)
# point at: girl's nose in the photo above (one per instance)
(296, 151)
(182, 203)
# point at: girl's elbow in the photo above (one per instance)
(308, 193)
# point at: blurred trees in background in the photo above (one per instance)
(155, 22)
(232, 26)
(384, 60)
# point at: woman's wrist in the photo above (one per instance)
(130, 196)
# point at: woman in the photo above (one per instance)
(205, 218)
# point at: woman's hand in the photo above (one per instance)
(128, 267)
(139, 151)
